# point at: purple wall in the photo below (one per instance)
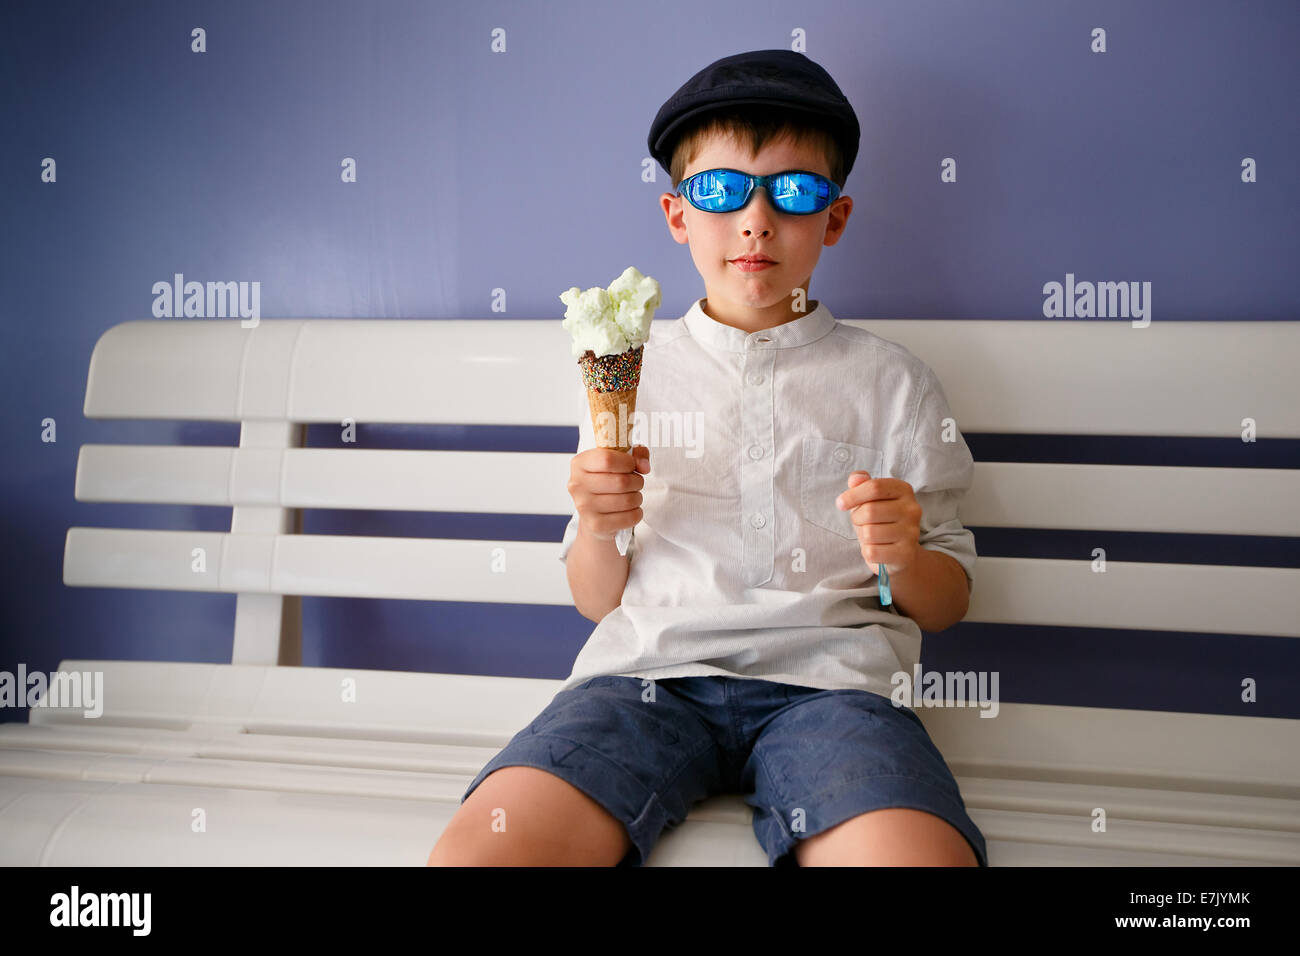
(224, 165)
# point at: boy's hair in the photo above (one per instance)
(756, 126)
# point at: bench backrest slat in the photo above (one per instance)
(1089, 377)
(379, 479)
(429, 569)
(1057, 377)
(1261, 501)
(1232, 600)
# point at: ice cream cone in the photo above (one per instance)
(611, 417)
(612, 382)
(609, 329)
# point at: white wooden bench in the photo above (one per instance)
(286, 771)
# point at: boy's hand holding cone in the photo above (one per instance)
(606, 489)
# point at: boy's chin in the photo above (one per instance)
(737, 305)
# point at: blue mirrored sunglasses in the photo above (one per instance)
(795, 191)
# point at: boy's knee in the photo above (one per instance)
(456, 847)
(437, 856)
(441, 855)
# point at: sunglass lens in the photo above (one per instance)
(801, 193)
(716, 190)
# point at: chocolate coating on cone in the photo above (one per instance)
(612, 373)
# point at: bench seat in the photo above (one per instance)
(287, 773)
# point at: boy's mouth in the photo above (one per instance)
(752, 263)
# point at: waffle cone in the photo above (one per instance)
(611, 382)
(611, 417)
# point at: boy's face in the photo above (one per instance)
(756, 300)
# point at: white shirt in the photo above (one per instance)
(742, 565)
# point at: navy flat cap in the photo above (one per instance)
(781, 78)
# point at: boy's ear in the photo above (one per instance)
(839, 219)
(672, 208)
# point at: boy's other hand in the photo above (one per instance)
(605, 485)
(887, 519)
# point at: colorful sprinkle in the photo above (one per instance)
(612, 373)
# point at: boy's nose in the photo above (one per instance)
(758, 212)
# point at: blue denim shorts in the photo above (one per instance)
(805, 759)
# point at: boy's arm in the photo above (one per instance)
(597, 575)
(932, 591)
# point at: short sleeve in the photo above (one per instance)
(586, 439)
(941, 472)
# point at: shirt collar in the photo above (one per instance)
(801, 331)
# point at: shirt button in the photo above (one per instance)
(841, 454)
(757, 520)
(756, 379)
(756, 452)
(763, 339)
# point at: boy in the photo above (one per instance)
(741, 645)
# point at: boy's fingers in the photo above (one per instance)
(614, 460)
(846, 498)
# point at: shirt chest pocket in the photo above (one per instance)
(824, 474)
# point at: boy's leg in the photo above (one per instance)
(845, 777)
(896, 836)
(605, 752)
(548, 822)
